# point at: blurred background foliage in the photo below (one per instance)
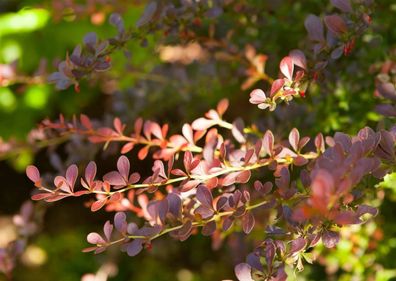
(36, 35)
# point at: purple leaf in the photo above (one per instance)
(343, 5)
(90, 39)
(135, 247)
(387, 90)
(148, 14)
(120, 222)
(209, 228)
(243, 272)
(248, 222)
(297, 245)
(314, 26)
(330, 238)
(108, 230)
(204, 196)
(175, 204)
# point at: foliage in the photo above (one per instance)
(297, 199)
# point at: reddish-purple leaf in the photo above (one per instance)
(387, 90)
(33, 174)
(365, 209)
(227, 223)
(209, 228)
(336, 24)
(90, 172)
(330, 238)
(114, 178)
(243, 272)
(276, 86)
(248, 222)
(123, 166)
(294, 139)
(297, 245)
(204, 196)
(71, 176)
(287, 67)
(298, 58)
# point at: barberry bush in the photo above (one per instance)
(279, 145)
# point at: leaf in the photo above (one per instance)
(90, 39)
(97, 205)
(243, 272)
(330, 238)
(90, 172)
(268, 143)
(276, 86)
(257, 96)
(127, 147)
(298, 58)
(209, 228)
(148, 14)
(71, 176)
(120, 222)
(343, 5)
(297, 245)
(294, 138)
(287, 67)
(188, 133)
(202, 124)
(114, 178)
(123, 166)
(387, 90)
(135, 247)
(95, 238)
(204, 196)
(33, 174)
(336, 24)
(248, 222)
(108, 230)
(314, 27)
(222, 106)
